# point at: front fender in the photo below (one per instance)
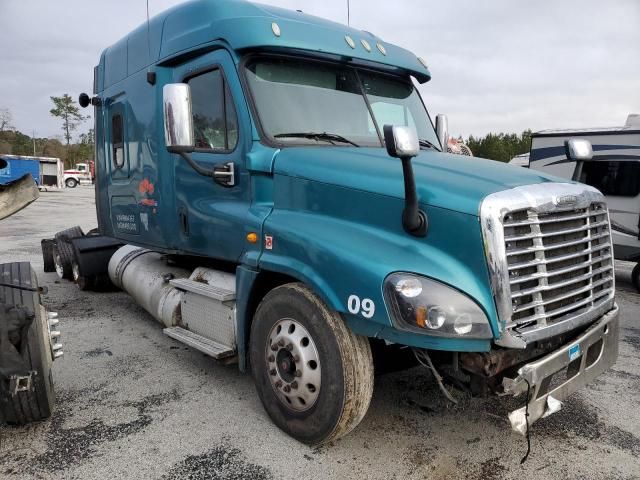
(343, 243)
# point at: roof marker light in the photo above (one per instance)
(381, 48)
(350, 41)
(424, 64)
(366, 45)
(276, 29)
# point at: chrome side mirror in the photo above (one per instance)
(178, 120)
(578, 149)
(401, 142)
(442, 130)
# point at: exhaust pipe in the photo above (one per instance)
(145, 275)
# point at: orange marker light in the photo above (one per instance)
(252, 237)
(421, 316)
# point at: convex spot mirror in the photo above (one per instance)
(578, 149)
(178, 120)
(401, 142)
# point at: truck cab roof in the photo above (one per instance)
(243, 26)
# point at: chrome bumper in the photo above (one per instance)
(573, 366)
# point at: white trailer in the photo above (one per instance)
(51, 172)
(614, 170)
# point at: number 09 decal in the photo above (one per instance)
(364, 307)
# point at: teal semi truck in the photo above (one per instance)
(271, 188)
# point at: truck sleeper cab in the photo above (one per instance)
(246, 155)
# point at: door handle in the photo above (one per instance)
(225, 174)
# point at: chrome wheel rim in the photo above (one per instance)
(293, 365)
(58, 264)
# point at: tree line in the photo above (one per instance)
(71, 150)
(500, 146)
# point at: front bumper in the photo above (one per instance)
(560, 373)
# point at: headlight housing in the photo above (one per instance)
(422, 305)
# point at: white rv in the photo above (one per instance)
(614, 170)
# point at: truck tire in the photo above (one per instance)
(635, 276)
(47, 255)
(71, 182)
(37, 402)
(313, 375)
(63, 251)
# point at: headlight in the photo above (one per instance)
(423, 305)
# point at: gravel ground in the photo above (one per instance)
(133, 403)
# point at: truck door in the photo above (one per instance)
(211, 216)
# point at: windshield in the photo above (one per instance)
(301, 101)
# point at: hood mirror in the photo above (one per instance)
(442, 131)
(402, 143)
(178, 120)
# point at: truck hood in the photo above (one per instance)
(454, 182)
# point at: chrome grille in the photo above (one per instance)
(560, 264)
(550, 258)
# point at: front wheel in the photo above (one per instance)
(71, 182)
(313, 375)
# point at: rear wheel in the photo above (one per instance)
(47, 255)
(36, 402)
(83, 282)
(71, 182)
(313, 375)
(635, 276)
(63, 252)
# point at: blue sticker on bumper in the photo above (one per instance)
(574, 352)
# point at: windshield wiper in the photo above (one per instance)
(329, 137)
(427, 144)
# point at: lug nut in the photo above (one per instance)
(289, 347)
(271, 358)
(272, 371)
(52, 315)
(278, 383)
(294, 384)
(298, 373)
(274, 347)
(58, 354)
(281, 342)
(55, 334)
(57, 346)
(287, 388)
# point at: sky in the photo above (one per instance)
(497, 66)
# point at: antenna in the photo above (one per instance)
(148, 34)
(348, 14)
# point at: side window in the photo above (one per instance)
(390, 114)
(215, 123)
(613, 178)
(117, 140)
